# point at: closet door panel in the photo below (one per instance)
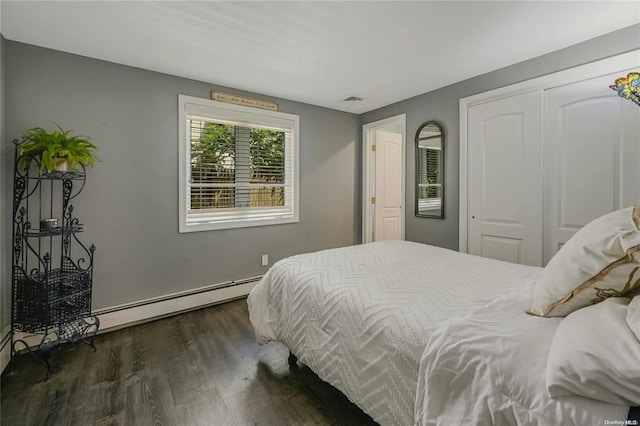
(591, 157)
(505, 179)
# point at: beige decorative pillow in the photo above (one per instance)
(601, 260)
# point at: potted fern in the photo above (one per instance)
(57, 150)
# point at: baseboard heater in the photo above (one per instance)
(134, 313)
(155, 308)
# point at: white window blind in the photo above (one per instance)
(238, 166)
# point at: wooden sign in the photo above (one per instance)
(241, 100)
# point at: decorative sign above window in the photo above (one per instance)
(241, 100)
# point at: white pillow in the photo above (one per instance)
(595, 354)
(601, 260)
(633, 316)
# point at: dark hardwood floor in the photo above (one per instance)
(198, 368)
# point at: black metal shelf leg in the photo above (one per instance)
(292, 360)
(42, 358)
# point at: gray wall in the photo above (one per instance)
(130, 202)
(442, 105)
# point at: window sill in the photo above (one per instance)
(232, 224)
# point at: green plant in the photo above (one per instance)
(54, 148)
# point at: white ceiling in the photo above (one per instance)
(316, 52)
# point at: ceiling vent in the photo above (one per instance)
(352, 99)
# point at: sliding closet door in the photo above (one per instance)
(505, 179)
(592, 157)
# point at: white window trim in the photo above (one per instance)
(236, 219)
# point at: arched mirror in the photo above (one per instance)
(430, 170)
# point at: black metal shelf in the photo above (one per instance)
(59, 175)
(52, 278)
(55, 230)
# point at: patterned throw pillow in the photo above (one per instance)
(601, 260)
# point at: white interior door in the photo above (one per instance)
(388, 186)
(592, 157)
(505, 179)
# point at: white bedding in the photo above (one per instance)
(488, 367)
(360, 316)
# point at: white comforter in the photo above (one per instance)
(488, 368)
(360, 316)
(380, 320)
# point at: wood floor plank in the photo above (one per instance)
(199, 368)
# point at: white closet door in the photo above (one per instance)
(505, 179)
(592, 157)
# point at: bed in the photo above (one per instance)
(383, 323)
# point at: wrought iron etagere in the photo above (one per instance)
(52, 272)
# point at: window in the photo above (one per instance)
(238, 166)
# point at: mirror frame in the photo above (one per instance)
(417, 171)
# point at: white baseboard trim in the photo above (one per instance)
(5, 350)
(143, 311)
